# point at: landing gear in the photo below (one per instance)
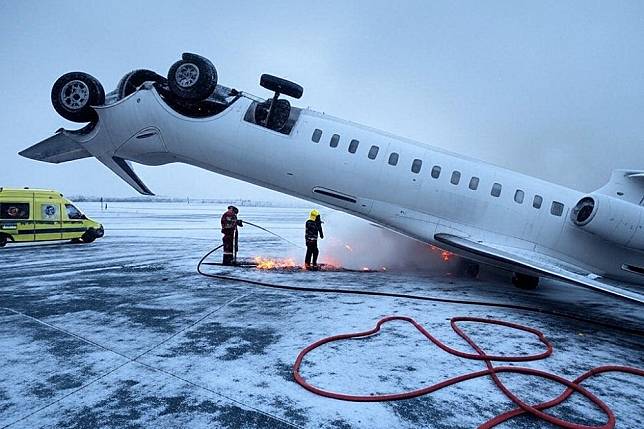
(524, 281)
(74, 94)
(131, 81)
(192, 78)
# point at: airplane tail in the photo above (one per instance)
(627, 185)
(67, 146)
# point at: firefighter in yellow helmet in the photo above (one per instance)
(313, 228)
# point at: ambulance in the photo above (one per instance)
(28, 215)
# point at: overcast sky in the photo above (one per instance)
(548, 88)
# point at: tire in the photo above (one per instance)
(282, 86)
(74, 94)
(76, 240)
(131, 81)
(192, 78)
(3, 240)
(524, 281)
(88, 236)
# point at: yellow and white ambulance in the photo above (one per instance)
(41, 215)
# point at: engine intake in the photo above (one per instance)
(612, 219)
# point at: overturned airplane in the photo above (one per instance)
(484, 213)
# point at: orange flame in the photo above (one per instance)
(273, 263)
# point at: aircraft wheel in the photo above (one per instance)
(192, 78)
(3, 240)
(131, 81)
(74, 94)
(524, 281)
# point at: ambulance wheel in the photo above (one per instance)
(524, 281)
(192, 78)
(88, 236)
(74, 94)
(3, 240)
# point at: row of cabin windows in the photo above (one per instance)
(556, 208)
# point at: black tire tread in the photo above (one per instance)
(86, 114)
(206, 82)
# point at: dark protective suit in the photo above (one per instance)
(313, 228)
(229, 223)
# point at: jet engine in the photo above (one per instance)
(615, 220)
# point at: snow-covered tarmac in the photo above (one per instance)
(124, 333)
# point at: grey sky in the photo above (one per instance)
(549, 88)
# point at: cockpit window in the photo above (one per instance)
(281, 117)
(73, 212)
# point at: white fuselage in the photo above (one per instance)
(418, 204)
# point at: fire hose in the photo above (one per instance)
(491, 371)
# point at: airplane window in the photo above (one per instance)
(518, 196)
(373, 152)
(456, 177)
(557, 208)
(474, 183)
(317, 135)
(496, 190)
(416, 166)
(335, 139)
(436, 171)
(538, 200)
(393, 158)
(353, 146)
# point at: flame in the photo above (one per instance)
(446, 256)
(274, 263)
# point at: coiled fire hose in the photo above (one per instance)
(491, 371)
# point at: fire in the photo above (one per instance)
(274, 263)
(444, 254)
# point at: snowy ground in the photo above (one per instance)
(124, 333)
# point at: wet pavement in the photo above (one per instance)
(124, 333)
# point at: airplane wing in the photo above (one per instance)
(535, 264)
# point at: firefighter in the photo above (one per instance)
(229, 224)
(313, 228)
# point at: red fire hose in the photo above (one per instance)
(492, 371)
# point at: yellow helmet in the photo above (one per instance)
(314, 214)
